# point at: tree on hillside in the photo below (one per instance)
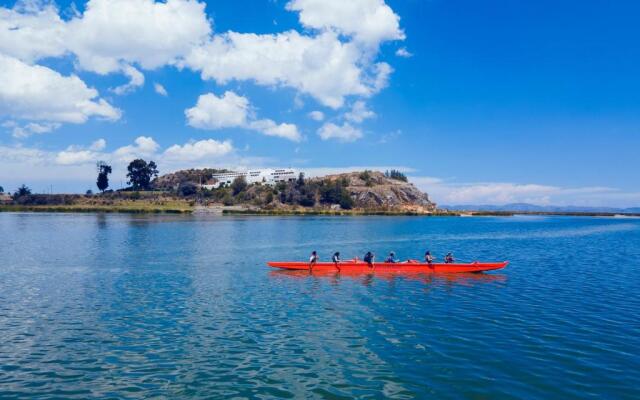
(346, 202)
(300, 181)
(335, 192)
(1, 190)
(238, 185)
(103, 175)
(22, 191)
(397, 175)
(141, 173)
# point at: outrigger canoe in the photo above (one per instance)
(357, 266)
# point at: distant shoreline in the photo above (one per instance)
(145, 208)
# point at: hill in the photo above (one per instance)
(364, 191)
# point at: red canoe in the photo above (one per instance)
(409, 266)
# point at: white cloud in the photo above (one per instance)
(143, 146)
(498, 193)
(78, 155)
(18, 155)
(368, 21)
(343, 133)
(390, 136)
(31, 128)
(109, 36)
(73, 156)
(160, 89)
(212, 112)
(98, 145)
(233, 111)
(359, 112)
(111, 33)
(501, 193)
(316, 115)
(198, 150)
(136, 80)
(129, 36)
(30, 32)
(70, 168)
(382, 71)
(321, 66)
(42, 94)
(403, 52)
(270, 128)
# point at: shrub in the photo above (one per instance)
(187, 189)
(366, 177)
(331, 192)
(346, 202)
(239, 185)
(397, 175)
(227, 200)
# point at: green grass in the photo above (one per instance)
(121, 207)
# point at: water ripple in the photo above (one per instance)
(180, 307)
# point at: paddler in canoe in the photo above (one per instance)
(448, 259)
(392, 258)
(428, 258)
(313, 260)
(369, 258)
(336, 260)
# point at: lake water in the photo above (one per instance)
(129, 306)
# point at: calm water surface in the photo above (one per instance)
(127, 306)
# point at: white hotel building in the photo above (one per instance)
(265, 176)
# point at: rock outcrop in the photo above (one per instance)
(373, 190)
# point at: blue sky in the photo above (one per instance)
(480, 102)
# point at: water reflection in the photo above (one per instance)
(465, 279)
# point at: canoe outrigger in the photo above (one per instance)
(409, 266)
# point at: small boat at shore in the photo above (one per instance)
(411, 266)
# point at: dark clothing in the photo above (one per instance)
(368, 258)
(336, 258)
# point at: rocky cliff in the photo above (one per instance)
(373, 190)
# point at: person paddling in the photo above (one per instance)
(368, 258)
(313, 260)
(336, 259)
(448, 259)
(392, 258)
(428, 258)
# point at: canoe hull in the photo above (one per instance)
(360, 266)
